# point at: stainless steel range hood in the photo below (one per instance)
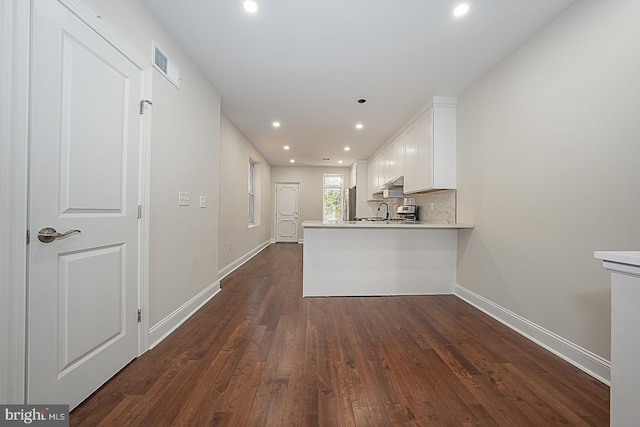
(393, 188)
(398, 182)
(392, 192)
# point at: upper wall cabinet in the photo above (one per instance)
(391, 163)
(430, 148)
(397, 163)
(373, 184)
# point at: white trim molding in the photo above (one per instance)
(583, 359)
(144, 199)
(233, 266)
(166, 326)
(14, 124)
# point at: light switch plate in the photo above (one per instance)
(203, 201)
(184, 198)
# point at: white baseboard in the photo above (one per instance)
(230, 268)
(166, 326)
(579, 357)
(300, 241)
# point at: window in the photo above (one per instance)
(332, 197)
(255, 185)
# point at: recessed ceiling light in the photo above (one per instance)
(292, 161)
(286, 147)
(347, 148)
(461, 9)
(359, 126)
(250, 6)
(326, 159)
(276, 124)
(340, 161)
(361, 101)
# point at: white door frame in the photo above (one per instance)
(14, 122)
(15, 38)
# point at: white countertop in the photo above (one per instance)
(622, 257)
(382, 225)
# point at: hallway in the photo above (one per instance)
(260, 355)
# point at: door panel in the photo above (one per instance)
(287, 212)
(88, 135)
(84, 174)
(91, 307)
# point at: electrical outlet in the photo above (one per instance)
(432, 206)
(184, 198)
(203, 201)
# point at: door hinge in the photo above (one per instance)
(139, 315)
(28, 237)
(139, 211)
(142, 102)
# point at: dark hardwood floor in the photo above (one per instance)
(259, 354)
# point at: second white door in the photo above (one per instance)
(287, 212)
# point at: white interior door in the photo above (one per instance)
(84, 175)
(287, 212)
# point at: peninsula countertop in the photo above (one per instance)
(382, 224)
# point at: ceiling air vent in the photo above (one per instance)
(166, 67)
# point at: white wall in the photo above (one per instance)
(548, 161)
(310, 179)
(185, 148)
(235, 151)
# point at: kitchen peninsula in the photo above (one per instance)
(367, 258)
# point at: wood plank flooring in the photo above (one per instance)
(258, 354)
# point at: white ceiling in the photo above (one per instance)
(306, 63)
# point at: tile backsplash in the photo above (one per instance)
(438, 207)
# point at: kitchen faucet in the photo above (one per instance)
(383, 203)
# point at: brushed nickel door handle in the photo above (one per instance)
(49, 234)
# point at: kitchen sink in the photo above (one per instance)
(379, 218)
(371, 218)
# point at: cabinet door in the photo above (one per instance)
(372, 178)
(393, 159)
(388, 164)
(399, 156)
(411, 159)
(380, 171)
(425, 151)
(444, 146)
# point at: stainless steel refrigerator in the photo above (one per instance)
(349, 204)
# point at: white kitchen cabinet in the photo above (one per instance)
(383, 165)
(430, 148)
(373, 183)
(399, 156)
(390, 166)
(411, 158)
(397, 169)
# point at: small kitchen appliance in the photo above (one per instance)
(408, 213)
